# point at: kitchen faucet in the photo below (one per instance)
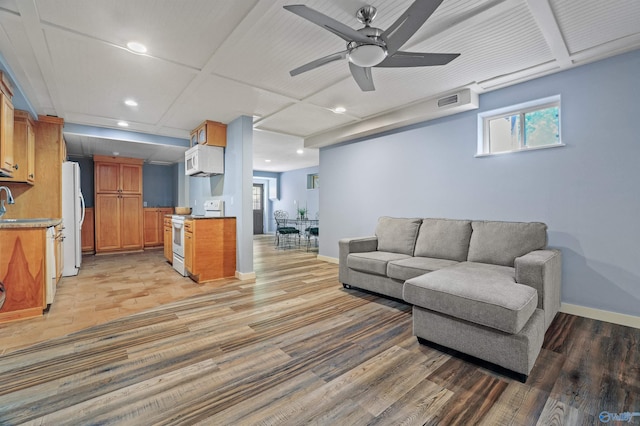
(10, 200)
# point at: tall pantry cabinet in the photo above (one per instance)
(118, 204)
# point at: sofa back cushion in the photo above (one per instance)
(444, 239)
(500, 243)
(397, 235)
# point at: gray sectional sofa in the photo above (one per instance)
(485, 288)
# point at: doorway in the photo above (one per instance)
(258, 208)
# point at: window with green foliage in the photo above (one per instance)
(519, 128)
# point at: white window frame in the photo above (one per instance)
(521, 109)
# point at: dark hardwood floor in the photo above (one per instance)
(294, 347)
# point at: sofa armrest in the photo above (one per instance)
(353, 245)
(542, 270)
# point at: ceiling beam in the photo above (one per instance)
(546, 20)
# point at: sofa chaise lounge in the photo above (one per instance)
(488, 289)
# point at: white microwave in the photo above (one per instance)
(204, 160)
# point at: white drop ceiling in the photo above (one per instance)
(219, 59)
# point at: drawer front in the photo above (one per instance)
(188, 226)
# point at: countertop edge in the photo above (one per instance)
(45, 223)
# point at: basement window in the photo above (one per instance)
(517, 128)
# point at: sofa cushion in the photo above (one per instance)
(476, 292)
(444, 239)
(397, 235)
(405, 269)
(501, 242)
(373, 262)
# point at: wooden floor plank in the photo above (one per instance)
(130, 341)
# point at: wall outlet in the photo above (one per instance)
(144, 204)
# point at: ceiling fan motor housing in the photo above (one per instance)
(366, 14)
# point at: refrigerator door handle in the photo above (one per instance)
(82, 204)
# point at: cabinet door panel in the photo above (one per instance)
(108, 219)
(106, 177)
(131, 179)
(6, 134)
(22, 270)
(31, 154)
(188, 253)
(152, 229)
(132, 222)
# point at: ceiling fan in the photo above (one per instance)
(371, 47)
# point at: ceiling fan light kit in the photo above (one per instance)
(367, 55)
(372, 47)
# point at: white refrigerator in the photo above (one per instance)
(72, 218)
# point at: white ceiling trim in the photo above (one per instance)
(542, 13)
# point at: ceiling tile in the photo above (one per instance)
(302, 119)
(224, 100)
(588, 23)
(99, 86)
(281, 150)
(186, 32)
(17, 43)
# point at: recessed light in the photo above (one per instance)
(299, 151)
(339, 110)
(267, 161)
(130, 102)
(136, 47)
(123, 124)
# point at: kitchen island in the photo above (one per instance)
(30, 262)
(209, 247)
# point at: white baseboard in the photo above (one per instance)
(598, 314)
(245, 275)
(328, 259)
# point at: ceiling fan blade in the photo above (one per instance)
(363, 77)
(415, 59)
(319, 62)
(408, 23)
(338, 28)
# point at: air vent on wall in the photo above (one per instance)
(449, 100)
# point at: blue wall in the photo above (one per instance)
(157, 185)
(587, 192)
(294, 193)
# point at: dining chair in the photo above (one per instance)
(283, 229)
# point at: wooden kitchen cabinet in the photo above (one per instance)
(119, 222)
(22, 270)
(24, 157)
(6, 127)
(210, 133)
(154, 225)
(87, 233)
(188, 246)
(168, 239)
(59, 255)
(210, 248)
(44, 198)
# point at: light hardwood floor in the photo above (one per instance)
(129, 341)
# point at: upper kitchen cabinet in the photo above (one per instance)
(210, 133)
(24, 158)
(6, 127)
(118, 175)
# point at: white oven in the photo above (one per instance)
(177, 223)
